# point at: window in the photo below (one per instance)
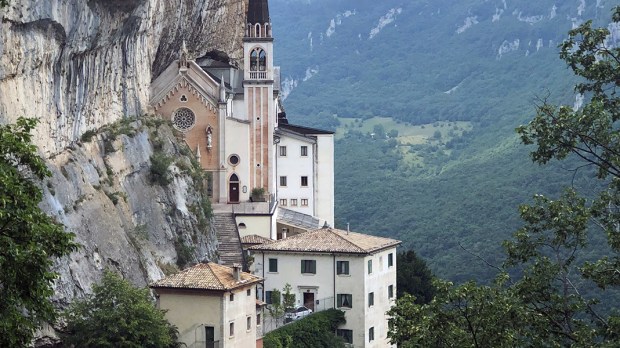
(342, 267)
(304, 202)
(231, 329)
(273, 265)
(283, 181)
(304, 181)
(248, 323)
(371, 299)
(283, 202)
(249, 292)
(347, 335)
(258, 60)
(344, 300)
(304, 151)
(369, 266)
(308, 266)
(293, 202)
(183, 119)
(283, 151)
(234, 160)
(391, 291)
(258, 323)
(268, 299)
(232, 297)
(371, 334)
(390, 260)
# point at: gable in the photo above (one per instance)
(199, 83)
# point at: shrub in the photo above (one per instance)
(159, 169)
(316, 330)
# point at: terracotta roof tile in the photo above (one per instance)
(329, 240)
(255, 239)
(206, 276)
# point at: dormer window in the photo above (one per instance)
(258, 60)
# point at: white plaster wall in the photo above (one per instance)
(191, 312)
(325, 178)
(254, 224)
(294, 166)
(237, 142)
(360, 317)
(237, 312)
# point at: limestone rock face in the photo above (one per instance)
(103, 191)
(80, 64)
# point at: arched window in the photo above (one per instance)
(258, 60)
(234, 178)
(242, 225)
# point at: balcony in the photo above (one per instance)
(258, 75)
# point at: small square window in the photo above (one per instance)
(304, 181)
(371, 334)
(283, 151)
(344, 300)
(249, 292)
(283, 202)
(347, 335)
(371, 299)
(304, 151)
(232, 297)
(369, 266)
(304, 202)
(231, 329)
(293, 202)
(268, 299)
(273, 265)
(258, 322)
(248, 323)
(308, 266)
(283, 181)
(390, 291)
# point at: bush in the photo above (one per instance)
(117, 314)
(159, 169)
(314, 331)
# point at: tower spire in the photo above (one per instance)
(258, 12)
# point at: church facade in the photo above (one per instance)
(232, 118)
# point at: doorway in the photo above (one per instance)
(210, 336)
(309, 300)
(233, 189)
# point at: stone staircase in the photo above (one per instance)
(229, 247)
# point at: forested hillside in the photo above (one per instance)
(425, 96)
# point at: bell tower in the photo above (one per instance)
(258, 84)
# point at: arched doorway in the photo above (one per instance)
(233, 189)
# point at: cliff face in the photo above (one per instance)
(80, 64)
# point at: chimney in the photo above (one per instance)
(236, 271)
(348, 228)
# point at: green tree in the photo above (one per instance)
(117, 314)
(276, 308)
(29, 238)
(315, 331)
(414, 277)
(288, 299)
(543, 305)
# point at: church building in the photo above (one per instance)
(231, 116)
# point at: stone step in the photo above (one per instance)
(229, 247)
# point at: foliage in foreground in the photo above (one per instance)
(29, 239)
(314, 331)
(543, 305)
(413, 277)
(117, 314)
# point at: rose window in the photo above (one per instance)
(183, 119)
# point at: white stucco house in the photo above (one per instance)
(212, 306)
(329, 268)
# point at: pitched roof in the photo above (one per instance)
(206, 276)
(303, 130)
(255, 239)
(329, 240)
